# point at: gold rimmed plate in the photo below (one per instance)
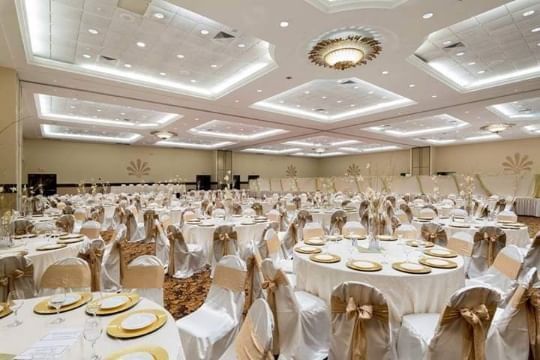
(364, 265)
(25, 236)
(325, 258)
(48, 247)
(355, 236)
(43, 307)
(411, 268)
(438, 263)
(113, 304)
(441, 253)
(70, 241)
(424, 219)
(416, 243)
(460, 225)
(4, 310)
(116, 328)
(387, 237)
(315, 241)
(70, 236)
(139, 352)
(307, 249)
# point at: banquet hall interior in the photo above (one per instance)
(253, 179)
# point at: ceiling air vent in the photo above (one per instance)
(135, 6)
(320, 110)
(455, 45)
(223, 36)
(525, 111)
(108, 58)
(348, 82)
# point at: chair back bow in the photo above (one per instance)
(359, 314)
(493, 238)
(529, 299)
(7, 281)
(258, 209)
(271, 285)
(227, 238)
(434, 233)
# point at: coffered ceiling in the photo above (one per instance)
(236, 74)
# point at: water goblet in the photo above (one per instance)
(15, 303)
(57, 300)
(91, 333)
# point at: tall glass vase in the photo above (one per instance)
(373, 228)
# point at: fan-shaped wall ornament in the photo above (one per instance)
(353, 170)
(517, 164)
(138, 168)
(291, 171)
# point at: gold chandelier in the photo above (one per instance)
(345, 53)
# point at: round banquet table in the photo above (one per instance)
(405, 293)
(16, 340)
(323, 216)
(41, 260)
(204, 234)
(518, 237)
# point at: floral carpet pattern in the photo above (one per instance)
(183, 296)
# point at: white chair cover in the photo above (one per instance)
(112, 258)
(17, 275)
(354, 228)
(72, 274)
(462, 243)
(452, 334)
(507, 215)
(91, 229)
(162, 244)
(218, 213)
(211, 329)
(312, 230)
(302, 319)
(427, 213)
(187, 259)
(254, 340)
(145, 274)
(248, 212)
(460, 213)
(407, 231)
(360, 323)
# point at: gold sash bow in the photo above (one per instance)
(530, 298)
(490, 240)
(359, 314)
(8, 280)
(248, 346)
(270, 285)
(478, 318)
(224, 237)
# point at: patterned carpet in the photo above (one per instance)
(185, 296)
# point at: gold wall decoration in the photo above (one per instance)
(517, 164)
(291, 171)
(353, 170)
(138, 168)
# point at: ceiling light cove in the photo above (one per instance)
(483, 137)
(367, 98)
(521, 110)
(333, 6)
(57, 34)
(478, 40)
(271, 151)
(370, 148)
(77, 111)
(193, 143)
(235, 131)
(68, 133)
(420, 126)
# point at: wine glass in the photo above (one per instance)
(91, 333)
(15, 303)
(57, 300)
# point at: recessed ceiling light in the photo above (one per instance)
(434, 96)
(98, 110)
(339, 101)
(141, 44)
(411, 85)
(281, 101)
(283, 24)
(385, 72)
(158, 15)
(213, 66)
(528, 13)
(323, 97)
(193, 80)
(259, 90)
(241, 45)
(297, 106)
(537, 29)
(352, 105)
(86, 56)
(471, 63)
(162, 73)
(72, 106)
(306, 92)
(127, 65)
(236, 101)
(370, 92)
(204, 32)
(427, 15)
(461, 53)
(481, 71)
(180, 56)
(447, 42)
(122, 113)
(93, 31)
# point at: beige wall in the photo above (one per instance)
(9, 134)
(485, 158)
(384, 163)
(268, 166)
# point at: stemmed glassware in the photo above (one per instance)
(91, 333)
(14, 302)
(57, 300)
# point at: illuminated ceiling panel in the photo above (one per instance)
(81, 134)
(521, 110)
(333, 6)
(235, 131)
(421, 126)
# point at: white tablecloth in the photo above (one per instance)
(528, 206)
(43, 259)
(405, 293)
(518, 237)
(17, 340)
(204, 235)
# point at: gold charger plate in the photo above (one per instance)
(440, 253)
(157, 352)
(43, 307)
(460, 225)
(438, 263)
(414, 243)
(115, 326)
(406, 267)
(206, 225)
(5, 310)
(70, 241)
(364, 265)
(355, 236)
(133, 300)
(307, 250)
(25, 236)
(387, 237)
(315, 242)
(325, 258)
(48, 247)
(420, 219)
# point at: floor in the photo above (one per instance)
(185, 296)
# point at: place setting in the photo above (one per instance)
(112, 304)
(135, 324)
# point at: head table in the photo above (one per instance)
(16, 340)
(406, 293)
